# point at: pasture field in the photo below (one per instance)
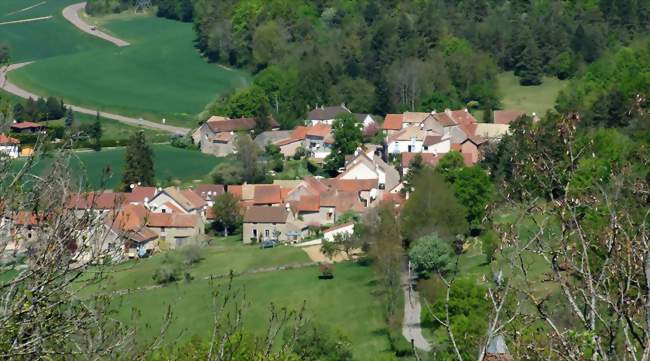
(114, 130)
(171, 165)
(538, 99)
(43, 38)
(349, 304)
(160, 75)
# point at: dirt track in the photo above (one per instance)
(13, 89)
(71, 13)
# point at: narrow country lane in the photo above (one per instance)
(411, 328)
(71, 13)
(6, 85)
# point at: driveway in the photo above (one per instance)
(14, 89)
(71, 13)
(411, 328)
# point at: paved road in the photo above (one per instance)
(12, 88)
(411, 328)
(71, 13)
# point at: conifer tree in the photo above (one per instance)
(139, 161)
(530, 66)
(69, 118)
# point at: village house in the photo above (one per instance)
(175, 200)
(263, 223)
(208, 192)
(9, 147)
(140, 232)
(217, 135)
(338, 230)
(363, 166)
(319, 140)
(326, 115)
(27, 127)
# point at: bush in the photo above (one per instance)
(430, 254)
(167, 273)
(191, 254)
(399, 344)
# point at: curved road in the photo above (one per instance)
(13, 89)
(411, 328)
(71, 13)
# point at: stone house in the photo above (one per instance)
(272, 223)
(217, 135)
(9, 146)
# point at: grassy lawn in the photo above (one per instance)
(160, 75)
(45, 38)
(538, 99)
(293, 169)
(172, 165)
(222, 256)
(347, 304)
(114, 130)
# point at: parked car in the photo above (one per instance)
(268, 244)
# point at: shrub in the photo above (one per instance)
(191, 254)
(167, 273)
(430, 254)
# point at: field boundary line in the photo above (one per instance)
(26, 20)
(25, 9)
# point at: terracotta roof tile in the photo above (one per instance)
(427, 158)
(444, 119)
(268, 194)
(319, 130)
(307, 203)
(262, 214)
(431, 140)
(27, 125)
(414, 117)
(97, 200)
(236, 190)
(8, 140)
(209, 191)
(507, 116)
(299, 132)
(139, 193)
(393, 122)
(463, 116)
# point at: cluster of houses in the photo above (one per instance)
(147, 219)
(11, 147)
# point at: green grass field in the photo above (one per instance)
(348, 304)
(114, 130)
(160, 75)
(538, 99)
(45, 38)
(172, 165)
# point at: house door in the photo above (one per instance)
(255, 233)
(410, 148)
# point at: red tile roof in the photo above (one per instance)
(507, 116)
(444, 119)
(267, 194)
(393, 122)
(8, 140)
(26, 125)
(307, 203)
(236, 190)
(24, 218)
(319, 130)
(262, 214)
(427, 158)
(99, 201)
(463, 116)
(284, 142)
(354, 185)
(299, 132)
(139, 193)
(431, 140)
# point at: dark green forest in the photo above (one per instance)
(396, 55)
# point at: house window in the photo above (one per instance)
(426, 147)
(254, 233)
(164, 210)
(162, 230)
(266, 233)
(181, 241)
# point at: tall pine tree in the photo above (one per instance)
(139, 162)
(69, 118)
(530, 66)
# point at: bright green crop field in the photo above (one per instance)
(160, 75)
(43, 38)
(171, 165)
